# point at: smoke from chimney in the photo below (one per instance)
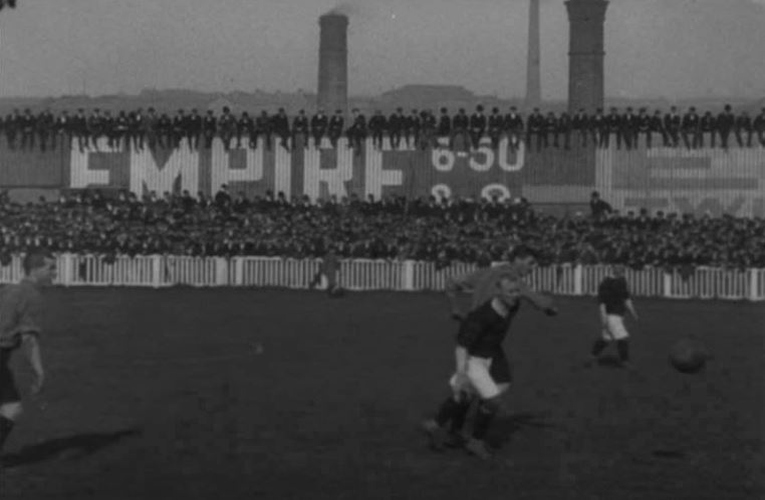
(333, 63)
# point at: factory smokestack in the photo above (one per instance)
(333, 63)
(586, 54)
(533, 71)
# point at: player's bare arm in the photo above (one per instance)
(540, 301)
(31, 346)
(631, 308)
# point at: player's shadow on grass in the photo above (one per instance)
(506, 426)
(78, 445)
(610, 362)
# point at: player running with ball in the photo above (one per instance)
(21, 308)
(483, 371)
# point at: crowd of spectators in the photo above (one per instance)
(416, 128)
(427, 229)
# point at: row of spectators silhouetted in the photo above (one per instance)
(414, 129)
(423, 229)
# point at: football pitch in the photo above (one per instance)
(231, 394)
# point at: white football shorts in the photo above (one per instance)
(614, 328)
(478, 381)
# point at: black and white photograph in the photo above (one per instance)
(382, 249)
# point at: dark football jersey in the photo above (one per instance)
(484, 330)
(613, 292)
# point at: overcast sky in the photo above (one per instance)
(674, 48)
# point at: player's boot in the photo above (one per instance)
(454, 440)
(478, 448)
(436, 434)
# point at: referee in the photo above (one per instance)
(615, 301)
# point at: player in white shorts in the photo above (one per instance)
(615, 301)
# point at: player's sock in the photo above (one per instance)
(447, 410)
(486, 413)
(598, 347)
(623, 346)
(460, 415)
(6, 426)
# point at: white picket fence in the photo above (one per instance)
(158, 271)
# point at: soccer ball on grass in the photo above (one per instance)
(688, 355)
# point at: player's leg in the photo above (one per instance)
(452, 410)
(10, 400)
(622, 338)
(488, 407)
(599, 345)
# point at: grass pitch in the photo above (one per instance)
(226, 394)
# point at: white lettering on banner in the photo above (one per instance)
(376, 177)
(335, 178)
(442, 159)
(283, 172)
(441, 191)
(520, 156)
(144, 171)
(488, 155)
(498, 190)
(222, 173)
(80, 175)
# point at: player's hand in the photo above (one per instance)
(461, 380)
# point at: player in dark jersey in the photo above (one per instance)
(482, 367)
(615, 301)
(21, 307)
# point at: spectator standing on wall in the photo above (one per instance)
(615, 128)
(226, 127)
(629, 129)
(461, 127)
(514, 128)
(136, 132)
(121, 131)
(550, 129)
(263, 128)
(28, 130)
(45, 125)
(357, 133)
(564, 127)
(244, 128)
(428, 126)
(412, 128)
(598, 127)
(63, 130)
(395, 127)
(707, 128)
(744, 130)
(536, 128)
(726, 121)
(477, 127)
(580, 124)
(193, 127)
(672, 123)
(496, 124)
(319, 125)
(643, 122)
(300, 129)
(336, 127)
(444, 125)
(759, 127)
(281, 127)
(209, 128)
(657, 127)
(377, 125)
(690, 128)
(12, 126)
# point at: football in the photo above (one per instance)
(688, 355)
